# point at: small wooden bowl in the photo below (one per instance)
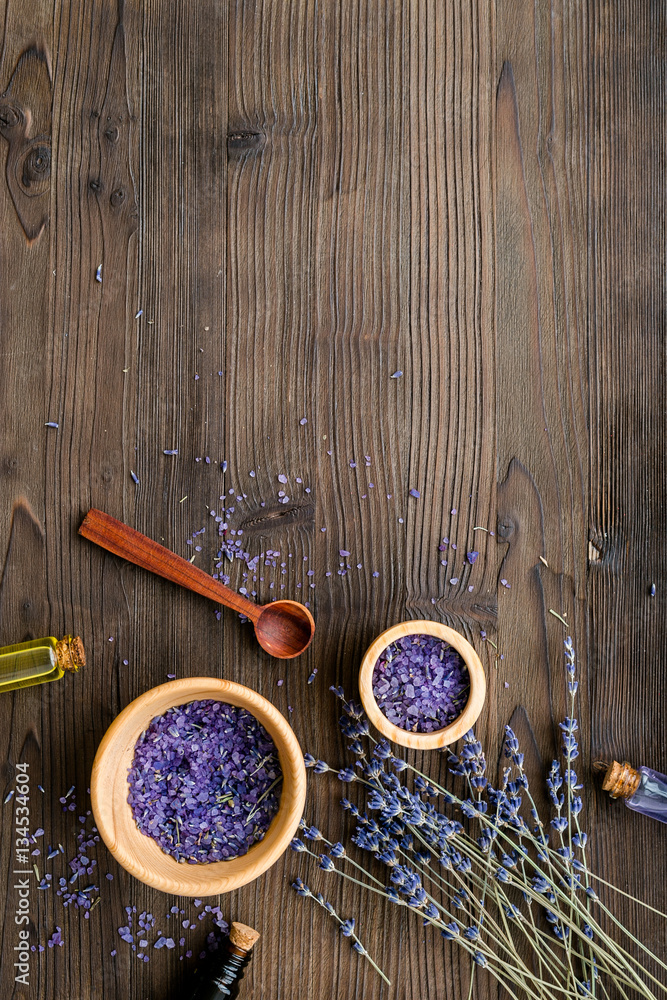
(140, 854)
(461, 724)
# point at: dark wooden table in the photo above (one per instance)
(289, 202)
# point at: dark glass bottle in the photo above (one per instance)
(643, 790)
(220, 979)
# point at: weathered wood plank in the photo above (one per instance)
(300, 200)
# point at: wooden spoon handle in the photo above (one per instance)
(123, 541)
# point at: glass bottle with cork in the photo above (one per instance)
(642, 789)
(39, 661)
(220, 979)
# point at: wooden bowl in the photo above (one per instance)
(461, 724)
(139, 854)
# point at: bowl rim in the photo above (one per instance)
(461, 724)
(138, 853)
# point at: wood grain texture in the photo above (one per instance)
(286, 205)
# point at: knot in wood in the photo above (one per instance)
(506, 528)
(117, 197)
(10, 115)
(242, 140)
(111, 133)
(36, 172)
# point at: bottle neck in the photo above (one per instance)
(229, 973)
(621, 780)
(220, 980)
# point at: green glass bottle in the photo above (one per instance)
(39, 661)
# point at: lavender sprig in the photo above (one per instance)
(347, 927)
(472, 876)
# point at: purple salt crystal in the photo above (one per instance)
(416, 494)
(472, 557)
(420, 683)
(219, 801)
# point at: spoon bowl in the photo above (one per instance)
(284, 628)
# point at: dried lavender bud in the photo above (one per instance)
(204, 781)
(420, 683)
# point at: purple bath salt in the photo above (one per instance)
(421, 683)
(205, 781)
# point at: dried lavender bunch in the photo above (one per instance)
(498, 885)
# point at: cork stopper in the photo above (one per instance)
(621, 780)
(70, 653)
(242, 936)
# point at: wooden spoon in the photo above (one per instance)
(283, 628)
